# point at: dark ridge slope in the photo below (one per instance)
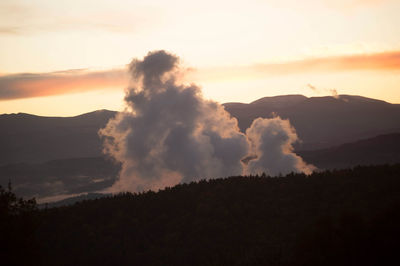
(383, 149)
(29, 138)
(323, 122)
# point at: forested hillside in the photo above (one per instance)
(344, 217)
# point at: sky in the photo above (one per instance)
(63, 58)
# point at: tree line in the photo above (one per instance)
(340, 217)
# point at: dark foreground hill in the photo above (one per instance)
(346, 217)
(320, 122)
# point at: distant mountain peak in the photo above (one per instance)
(17, 115)
(357, 98)
(281, 99)
(100, 112)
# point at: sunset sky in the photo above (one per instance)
(62, 58)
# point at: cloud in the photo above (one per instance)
(339, 5)
(169, 133)
(9, 30)
(378, 61)
(27, 18)
(70, 24)
(26, 85)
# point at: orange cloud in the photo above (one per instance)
(377, 61)
(71, 81)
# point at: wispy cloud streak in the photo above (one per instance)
(27, 85)
(24, 19)
(43, 84)
(377, 61)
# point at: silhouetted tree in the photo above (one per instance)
(17, 229)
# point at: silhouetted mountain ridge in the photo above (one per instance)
(281, 100)
(320, 122)
(30, 138)
(382, 149)
(323, 122)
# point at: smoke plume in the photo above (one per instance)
(169, 133)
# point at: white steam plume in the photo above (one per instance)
(271, 143)
(170, 134)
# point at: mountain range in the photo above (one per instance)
(323, 122)
(50, 156)
(30, 138)
(320, 122)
